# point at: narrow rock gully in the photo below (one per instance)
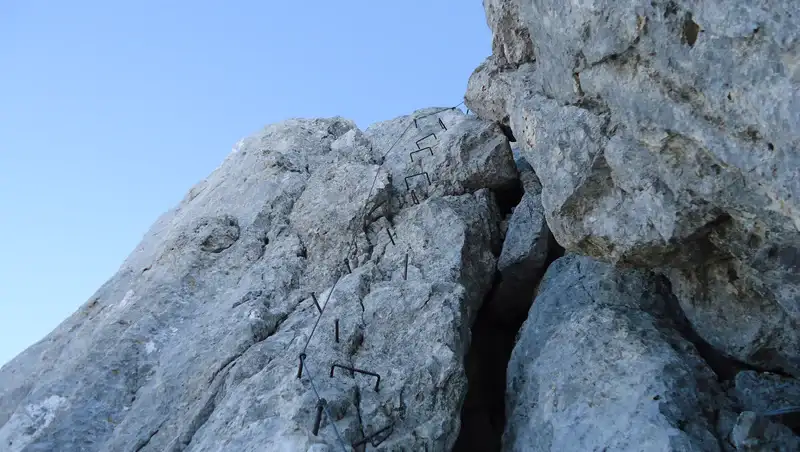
(493, 336)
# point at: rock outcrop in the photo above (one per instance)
(600, 365)
(194, 344)
(403, 287)
(665, 136)
(757, 433)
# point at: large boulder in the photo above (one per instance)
(523, 260)
(766, 392)
(665, 135)
(756, 433)
(195, 343)
(600, 365)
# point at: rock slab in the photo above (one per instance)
(194, 344)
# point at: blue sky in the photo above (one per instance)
(111, 111)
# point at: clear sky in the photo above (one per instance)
(111, 110)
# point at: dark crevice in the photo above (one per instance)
(144, 442)
(554, 251)
(508, 133)
(217, 383)
(200, 418)
(504, 310)
(483, 411)
(725, 367)
(509, 197)
(259, 335)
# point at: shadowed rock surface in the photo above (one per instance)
(756, 433)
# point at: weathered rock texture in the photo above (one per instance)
(193, 345)
(764, 393)
(665, 135)
(756, 433)
(528, 248)
(599, 365)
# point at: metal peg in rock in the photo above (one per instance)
(316, 303)
(300, 369)
(318, 418)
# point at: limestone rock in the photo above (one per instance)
(764, 392)
(194, 344)
(511, 43)
(665, 136)
(527, 238)
(521, 264)
(452, 154)
(530, 181)
(755, 433)
(599, 365)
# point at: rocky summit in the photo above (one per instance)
(601, 254)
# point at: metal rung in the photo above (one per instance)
(353, 369)
(420, 150)
(372, 438)
(425, 137)
(408, 187)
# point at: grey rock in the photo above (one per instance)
(522, 261)
(511, 43)
(530, 181)
(665, 136)
(756, 433)
(194, 344)
(468, 155)
(599, 365)
(526, 240)
(764, 392)
(489, 91)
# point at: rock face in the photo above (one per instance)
(756, 433)
(599, 365)
(194, 344)
(763, 393)
(665, 135)
(332, 274)
(526, 250)
(526, 239)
